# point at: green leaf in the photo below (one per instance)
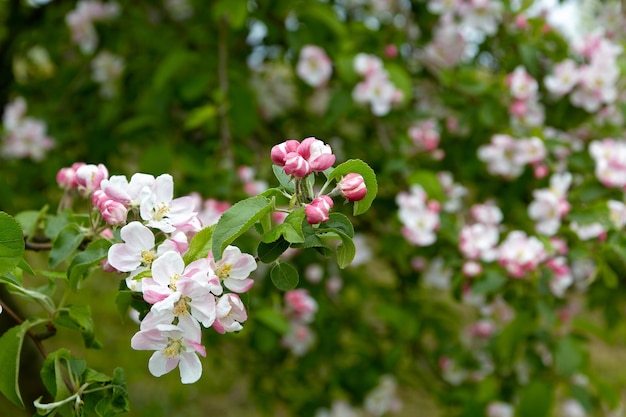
(491, 283)
(60, 368)
(11, 243)
(10, 349)
(290, 229)
(68, 240)
(30, 220)
(339, 222)
(199, 246)
(569, 356)
(78, 317)
(346, 251)
(284, 276)
(269, 252)
(24, 266)
(237, 220)
(536, 400)
(285, 180)
(273, 319)
(199, 116)
(234, 11)
(81, 265)
(359, 167)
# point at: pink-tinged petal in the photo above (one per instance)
(160, 365)
(156, 319)
(198, 347)
(163, 188)
(243, 267)
(322, 162)
(151, 339)
(230, 255)
(167, 266)
(182, 209)
(137, 236)
(190, 368)
(153, 292)
(190, 328)
(122, 258)
(218, 327)
(166, 305)
(239, 285)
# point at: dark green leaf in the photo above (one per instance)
(81, 265)
(236, 220)
(359, 167)
(536, 400)
(269, 252)
(11, 243)
(339, 222)
(68, 240)
(569, 356)
(78, 317)
(290, 229)
(284, 276)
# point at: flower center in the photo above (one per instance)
(223, 271)
(181, 308)
(148, 256)
(173, 280)
(160, 211)
(174, 347)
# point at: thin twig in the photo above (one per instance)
(226, 138)
(30, 332)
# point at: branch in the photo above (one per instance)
(36, 338)
(226, 138)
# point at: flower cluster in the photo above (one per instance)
(610, 160)
(300, 309)
(507, 156)
(314, 67)
(478, 241)
(592, 84)
(81, 22)
(301, 159)
(550, 205)
(525, 109)
(106, 70)
(24, 137)
(376, 88)
(419, 216)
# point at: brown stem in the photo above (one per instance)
(36, 339)
(226, 138)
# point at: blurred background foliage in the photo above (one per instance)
(208, 87)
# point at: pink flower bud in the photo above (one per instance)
(317, 211)
(279, 152)
(113, 212)
(391, 51)
(66, 178)
(89, 177)
(296, 165)
(540, 171)
(317, 153)
(98, 198)
(521, 22)
(352, 186)
(472, 268)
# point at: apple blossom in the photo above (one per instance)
(14, 113)
(174, 345)
(563, 79)
(234, 269)
(314, 66)
(352, 187)
(106, 70)
(158, 208)
(27, 140)
(482, 15)
(211, 211)
(299, 338)
(317, 211)
(479, 241)
(520, 254)
(279, 152)
(296, 165)
(318, 155)
(500, 409)
(129, 193)
(521, 84)
(301, 306)
(617, 213)
(230, 314)
(89, 176)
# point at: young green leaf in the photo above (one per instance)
(68, 240)
(285, 180)
(11, 243)
(83, 262)
(284, 276)
(200, 245)
(359, 167)
(78, 317)
(237, 220)
(10, 349)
